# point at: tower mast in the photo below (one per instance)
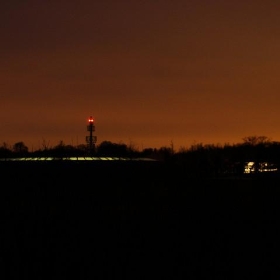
(91, 139)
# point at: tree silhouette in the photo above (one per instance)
(20, 149)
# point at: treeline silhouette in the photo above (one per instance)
(198, 159)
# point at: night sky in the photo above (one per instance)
(151, 73)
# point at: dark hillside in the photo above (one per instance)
(135, 220)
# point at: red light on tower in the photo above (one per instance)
(90, 120)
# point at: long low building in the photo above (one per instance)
(76, 159)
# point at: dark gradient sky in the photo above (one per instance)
(149, 72)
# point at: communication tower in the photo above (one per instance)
(91, 139)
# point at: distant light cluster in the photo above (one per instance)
(252, 167)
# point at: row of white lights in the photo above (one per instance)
(73, 159)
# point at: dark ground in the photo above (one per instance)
(127, 220)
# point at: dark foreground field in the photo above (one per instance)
(135, 220)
